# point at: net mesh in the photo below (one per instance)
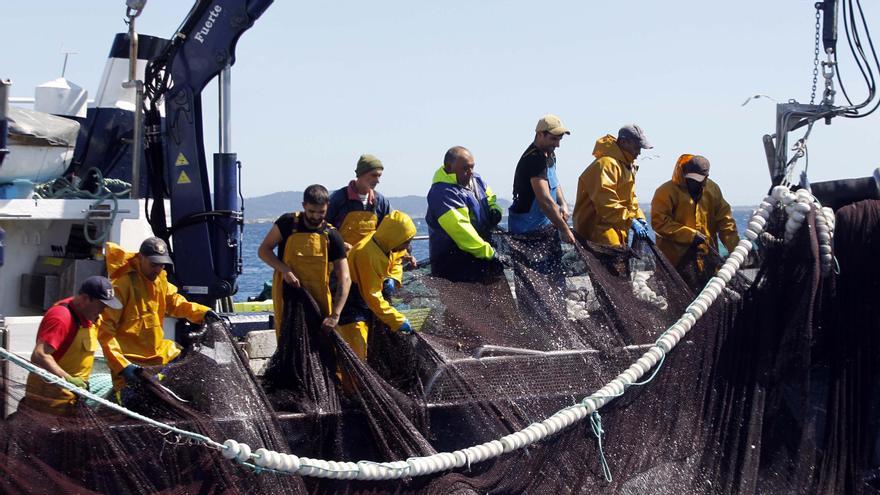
(773, 391)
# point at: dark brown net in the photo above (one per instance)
(210, 390)
(772, 391)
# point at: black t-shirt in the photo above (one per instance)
(335, 244)
(533, 163)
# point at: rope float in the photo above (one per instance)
(643, 292)
(797, 206)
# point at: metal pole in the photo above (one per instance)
(137, 145)
(4, 112)
(225, 182)
(225, 96)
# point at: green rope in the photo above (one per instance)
(596, 425)
(108, 189)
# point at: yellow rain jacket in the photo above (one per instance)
(307, 253)
(606, 202)
(77, 361)
(677, 219)
(369, 264)
(133, 334)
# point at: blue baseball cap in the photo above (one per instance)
(100, 288)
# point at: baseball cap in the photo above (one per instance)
(697, 165)
(552, 124)
(98, 287)
(155, 250)
(367, 163)
(634, 133)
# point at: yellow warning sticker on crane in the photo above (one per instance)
(181, 160)
(183, 178)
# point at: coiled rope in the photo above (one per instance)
(107, 190)
(279, 462)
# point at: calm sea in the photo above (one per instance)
(256, 272)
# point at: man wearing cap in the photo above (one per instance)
(538, 201)
(66, 343)
(690, 216)
(132, 336)
(606, 207)
(307, 247)
(462, 211)
(357, 209)
(539, 215)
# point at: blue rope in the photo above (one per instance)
(596, 424)
(654, 373)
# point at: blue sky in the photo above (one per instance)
(318, 83)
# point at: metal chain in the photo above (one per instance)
(816, 55)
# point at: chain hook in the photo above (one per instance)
(828, 69)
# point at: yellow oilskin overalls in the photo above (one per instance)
(134, 334)
(358, 225)
(307, 254)
(76, 361)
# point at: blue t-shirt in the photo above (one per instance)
(525, 214)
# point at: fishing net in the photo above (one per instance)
(208, 390)
(772, 391)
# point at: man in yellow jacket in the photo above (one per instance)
(606, 207)
(369, 265)
(66, 343)
(689, 215)
(133, 337)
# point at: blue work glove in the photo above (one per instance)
(389, 288)
(131, 373)
(639, 229)
(405, 329)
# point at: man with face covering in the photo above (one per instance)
(691, 216)
(369, 265)
(606, 207)
(462, 211)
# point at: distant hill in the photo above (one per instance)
(271, 206)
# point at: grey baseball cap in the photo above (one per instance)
(634, 133)
(155, 250)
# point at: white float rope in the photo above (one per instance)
(279, 462)
(797, 206)
(62, 383)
